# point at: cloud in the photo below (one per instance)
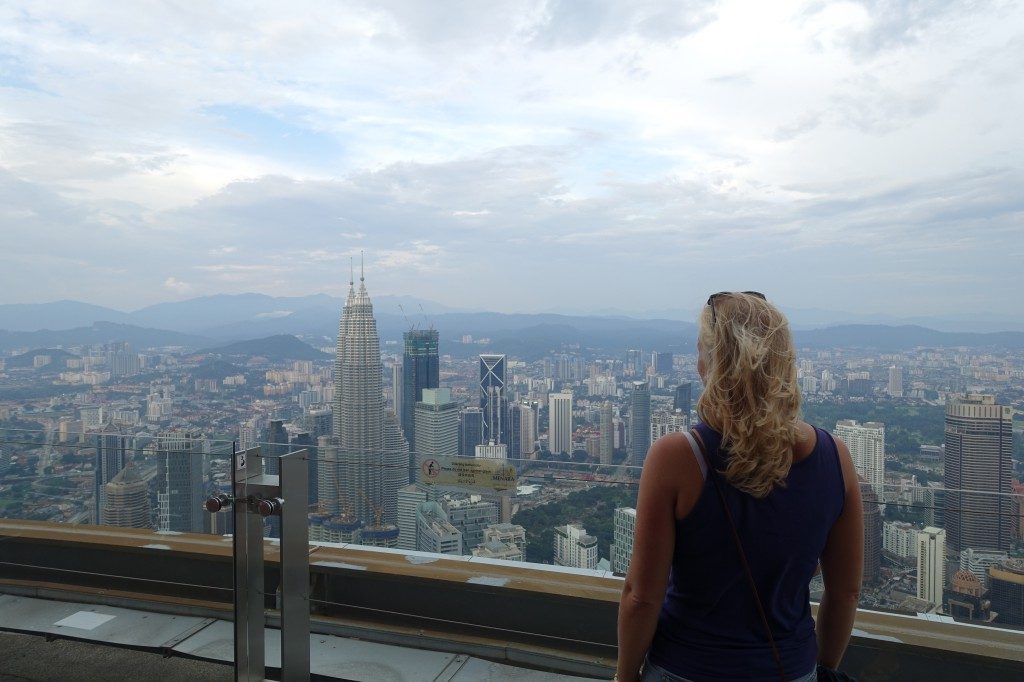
(177, 286)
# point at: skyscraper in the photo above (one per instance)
(683, 397)
(662, 363)
(624, 525)
(867, 449)
(639, 422)
(492, 396)
(896, 381)
(527, 431)
(873, 532)
(360, 430)
(471, 430)
(110, 460)
(978, 473)
(437, 424)
(560, 423)
(409, 499)
(180, 485)
(931, 564)
(127, 500)
(607, 448)
(420, 370)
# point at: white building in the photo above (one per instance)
(560, 422)
(573, 547)
(931, 562)
(92, 416)
(978, 561)
(896, 381)
(663, 422)
(899, 539)
(434, 533)
(622, 542)
(436, 424)
(507, 533)
(491, 451)
(867, 447)
(409, 499)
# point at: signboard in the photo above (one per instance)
(468, 472)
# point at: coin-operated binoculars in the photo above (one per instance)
(257, 495)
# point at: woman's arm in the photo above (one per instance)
(668, 463)
(842, 568)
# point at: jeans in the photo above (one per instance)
(653, 673)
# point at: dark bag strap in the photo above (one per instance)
(713, 475)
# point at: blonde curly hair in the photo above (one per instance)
(750, 395)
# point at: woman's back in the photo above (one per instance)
(709, 626)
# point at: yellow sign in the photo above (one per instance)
(468, 472)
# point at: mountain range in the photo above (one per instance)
(211, 321)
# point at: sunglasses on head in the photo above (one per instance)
(722, 294)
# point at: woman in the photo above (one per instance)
(688, 610)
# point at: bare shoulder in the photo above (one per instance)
(667, 454)
(671, 470)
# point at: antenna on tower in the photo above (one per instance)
(407, 321)
(361, 277)
(351, 271)
(430, 325)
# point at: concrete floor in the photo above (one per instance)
(31, 657)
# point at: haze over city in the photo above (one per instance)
(851, 156)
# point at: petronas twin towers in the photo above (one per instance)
(367, 461)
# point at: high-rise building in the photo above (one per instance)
(607, 448)
(470, 515)
(303, 440)
(664, 422)
(180, 486)
(872, 533)
(867, 449)
(931, 564)
(639, 422)
(896, 381)
(508, 534)
(127, 500)
(274, 446)
(492, 396)
(409, 499)
(624, 529)
(436, 424)
(110, 460)
(573, 547)
(1007, 591)
(397, 384)
(899, 540)
(471, 430)
(978, 561)
(491, 451)
(527, 431)
(978, 473)
(317, 421)
(434, 533)
(365, 445)
(662, 363)
(420, 370)
(683, 397)
(560, 423)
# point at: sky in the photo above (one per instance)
(521, 156)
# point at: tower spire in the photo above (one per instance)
(361, 278)
(351, 271)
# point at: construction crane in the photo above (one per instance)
(407, 320)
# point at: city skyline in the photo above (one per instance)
(158, 155)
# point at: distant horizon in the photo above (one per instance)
(800, 318)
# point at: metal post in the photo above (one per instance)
(294, 567)
(248, 553)
(257, 495)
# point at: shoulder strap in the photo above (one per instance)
(743, 558)
(698, 454)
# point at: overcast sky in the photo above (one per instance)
(520, 156)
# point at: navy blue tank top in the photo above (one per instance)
(709, 628)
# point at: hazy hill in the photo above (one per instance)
(27, 360)
(139, 338)
(278, 348)
(905, 337)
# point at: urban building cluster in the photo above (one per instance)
(140, 439)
